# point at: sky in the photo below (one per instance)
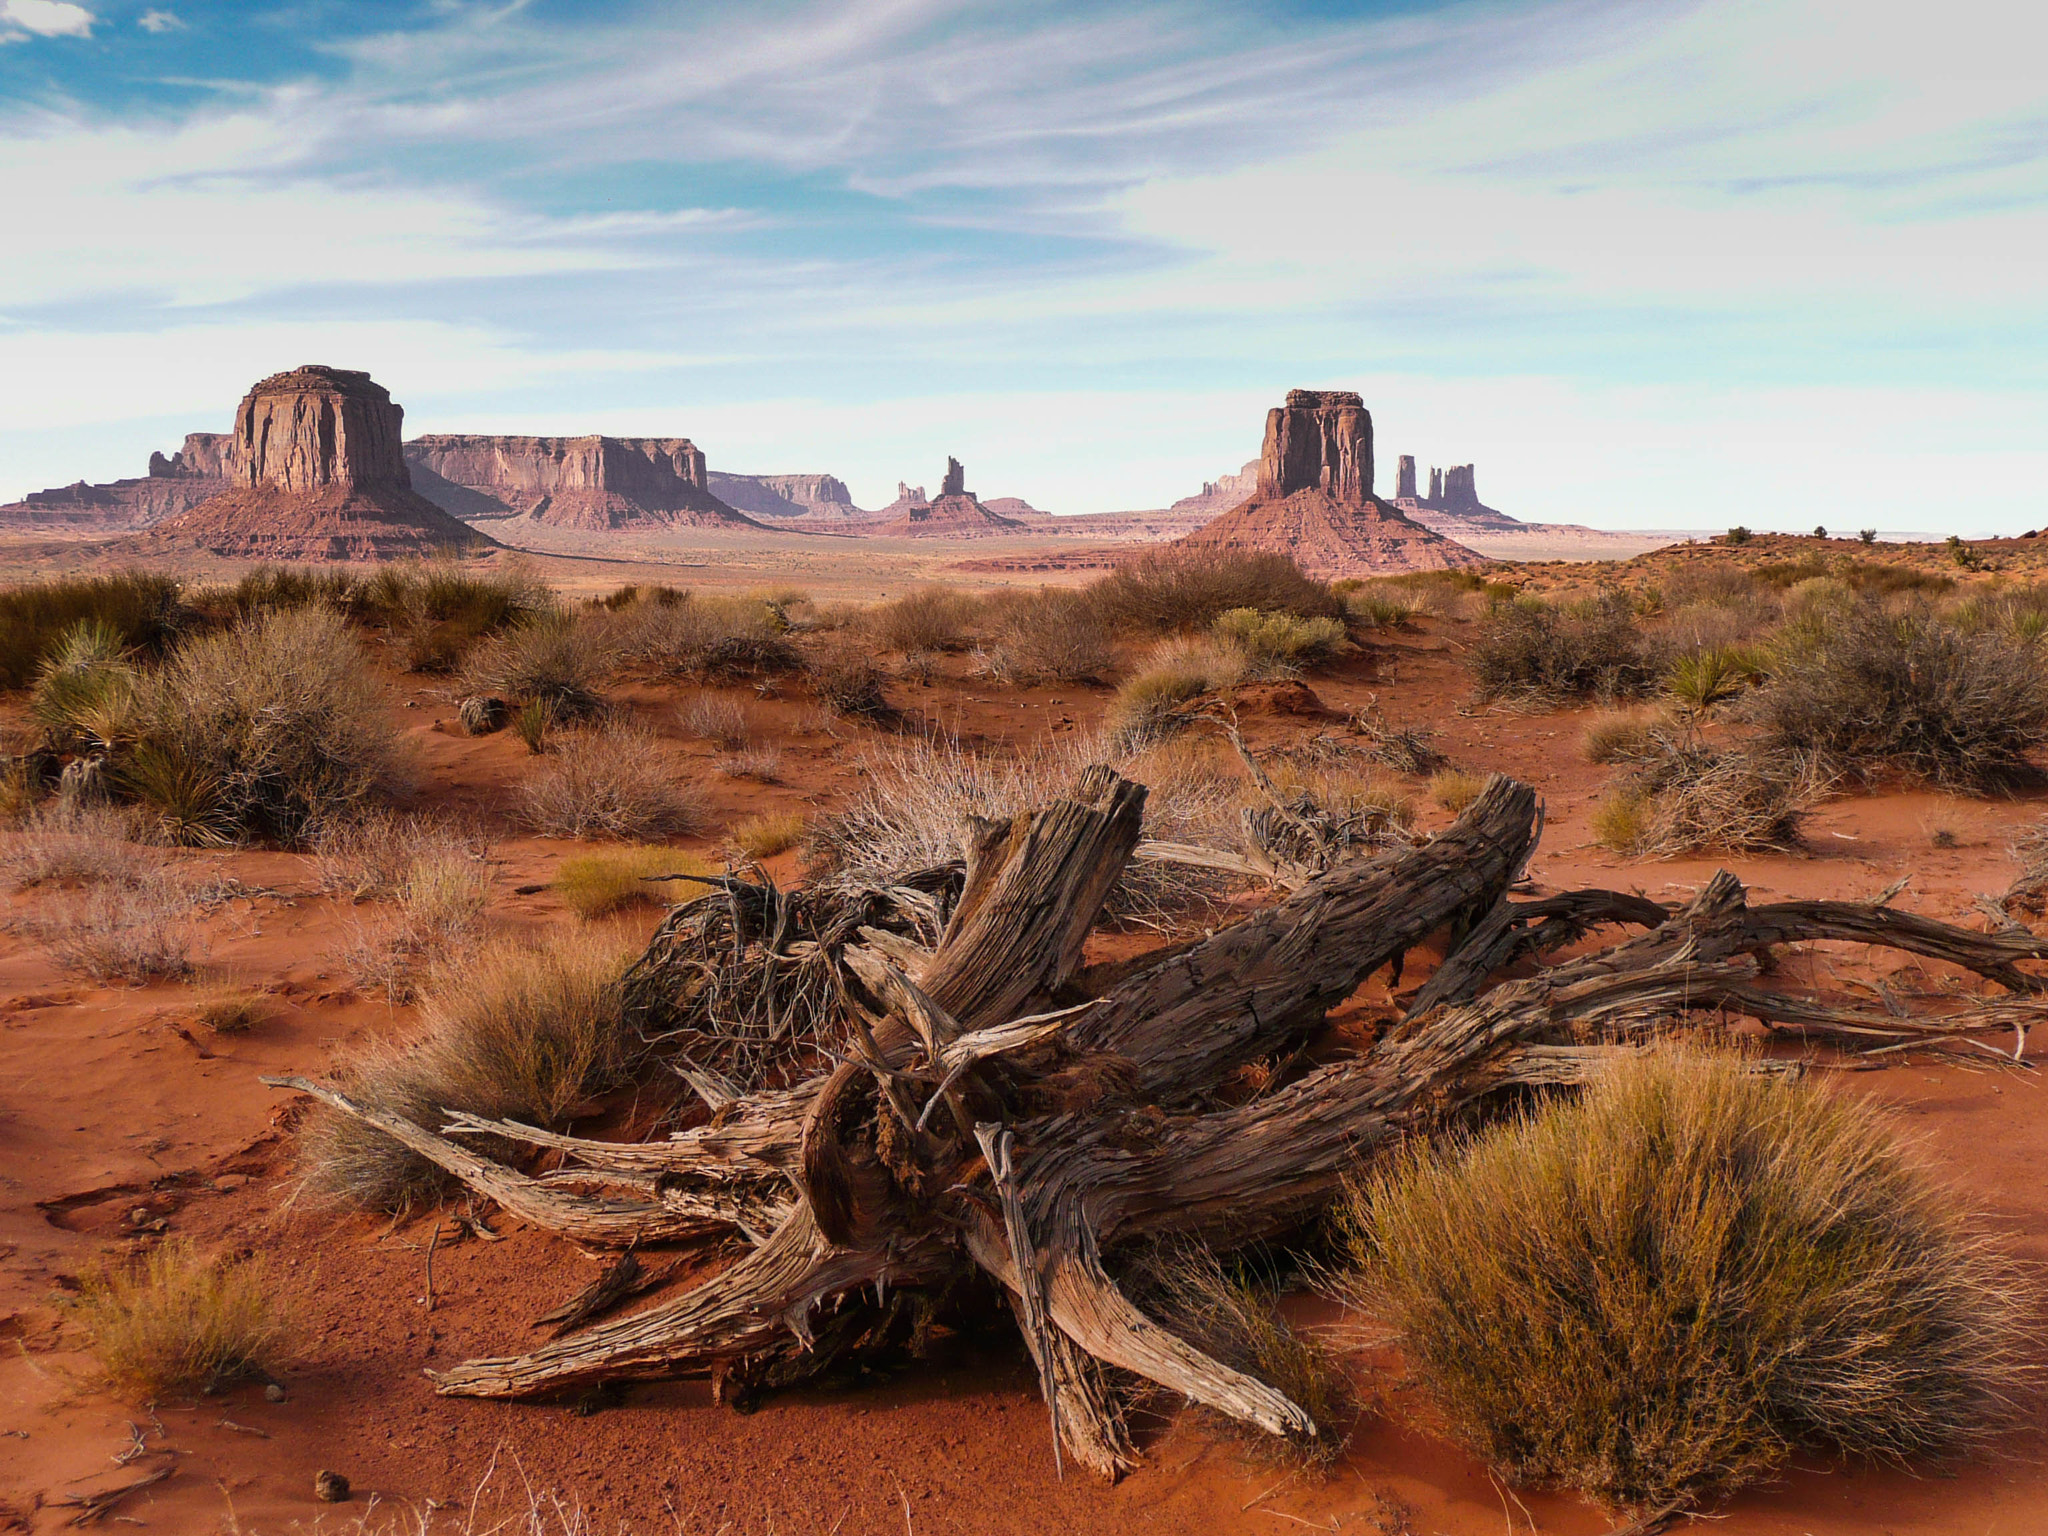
(1646, 264)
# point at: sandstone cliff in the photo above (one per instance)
(1220, 495)
(314, 471)
(1314, 501)
(173, 485)
(822, 498)
(571, 482)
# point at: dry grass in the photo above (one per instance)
(761, 764)
(173, 1321)
(226, 1009)
(607, 783)
(135, 930)
(2029, 889)
(1274, 644)
(1051, 636)
(1622, 735)
(373, 857)
(1657, 1292)
(1174, 675)
(847, 681)
(73, 844)
(764, 836)
(1454, 788)
(1878, 690)
(556, 659)
(712, 639)
(439, 901)
(272, 728)
(1685, 799)
(528, 1031)
(600, 884)
(142, 609)
(1227, 1313)
(1178, 589)
(1531, 649)
(722, 721)
(1621, 821)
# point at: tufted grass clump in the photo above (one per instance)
(599, 884)
(175, 1321)
(1656, 1292)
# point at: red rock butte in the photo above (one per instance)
(956, 514)
(593, 482)
(315, 471)
(1315, 503)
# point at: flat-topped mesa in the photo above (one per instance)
(818, 498)
(1321, 439)
(314, 470)
(591, 481)
(174, 484)
(317, 428)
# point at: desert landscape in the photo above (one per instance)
(551, 987)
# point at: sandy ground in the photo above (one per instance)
(112, 1121)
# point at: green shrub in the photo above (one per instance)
(1530, 648)
(85, 690)
(1179, 588)
(1706, 678)
(1278, 640)
(1737, 535)
(1656, 1292)
(440, 611)
(140, 609)
(1871, 689)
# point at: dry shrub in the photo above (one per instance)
(1403, 748)
(1687, 798)
(1656, 1292)
(439, 904)
(1230, 1315)
(599, 884)
(553, 659)
(761, 764)
(607, 783)
(1049, 636)
(226, 1009)
(1174, 675)
(1275, 643)
(439, 611)
(924, 619)
(136, 930)
(1532, 649)
(61, 843)
(1180, 588)
(173, 1321)
(847, 681)
(1622, 735)
(1876, 690)
(714, 718)
(1708, 626)
(1454, 788)
(527, 1031)
(141, 609)
(279, 723)
(764, 836)
(714, 639)
(374, 857)
(2029, 889)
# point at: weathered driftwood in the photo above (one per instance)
(981, 1122)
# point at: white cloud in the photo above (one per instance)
(47, 18)
(159, 21)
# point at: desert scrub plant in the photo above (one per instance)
(375, 856)
(531, 1031)
(534, 724)
(933, 618)
(141, 609)
(1232, 1314)
(60, 844)
(1655, 1292)
(1621, 821)
(1682, 797)
(1528, 648)
(713, 639)
(764, 836)
(279, 721)
(438, 905)
(599, 884)
(761, 764)
(1621, 735)
(847, 681)
(607, 783)
(555, 659)
(170, 1320)
(1048, 636)
(1703, 679)
(227, 1009)
(1454, 788)
(1179, 589)
(84, 692)
(438, 611)
(1904, 691)
(1378, 610)
(1157, 700)
(136, 930)
(1274, 643)
(719, 720)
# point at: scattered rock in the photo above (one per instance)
(274, 1392)
(330, 1487)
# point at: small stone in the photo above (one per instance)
(274, 1393)
(330, 1487)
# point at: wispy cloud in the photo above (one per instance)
(159, 21)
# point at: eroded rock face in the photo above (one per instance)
(317, 428)
(821, 497)
(1460, 493)
(1404, 478)
(1436, 485)
(1321, 439)
(204, 457)
(173, 485)
(578, 482)
(956, 479)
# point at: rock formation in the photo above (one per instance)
(593, 482)
(1459, 492)
(1314, 500)
(314, 471)
(957, 514)
(173, 485)
(1219, 495)
(1404, 478)
(1453, 507)
(820, 498)
(1436, 486)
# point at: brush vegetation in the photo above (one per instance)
(1656, 1292)
(172, 1321)
(1528, 648)
(600, 884)
(608, 783)
(1178, 589)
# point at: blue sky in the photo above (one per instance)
(1647, 264)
